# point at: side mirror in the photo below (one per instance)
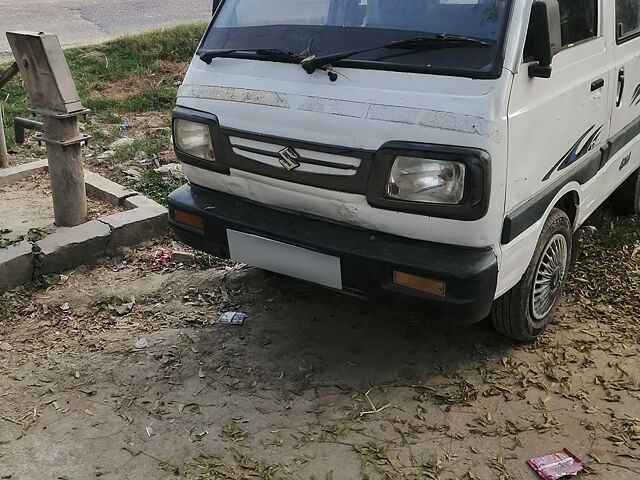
(545, 36)
(216, 4)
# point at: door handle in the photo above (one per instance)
(597, 84)
(620, 87)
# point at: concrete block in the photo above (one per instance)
(16, 266)
(136, 225)
(18, 172)
(106, 190)
(140, 201)
(69, 247)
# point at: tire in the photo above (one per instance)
(626, 199)
(576, 249)
(521, 315)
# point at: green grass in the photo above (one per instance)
(155, 143)
(140, 55)
(156, 186)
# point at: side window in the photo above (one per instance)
(627, 18)
(578, 20)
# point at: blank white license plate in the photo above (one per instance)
(286, 259)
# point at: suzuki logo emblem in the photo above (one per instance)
(289, 158)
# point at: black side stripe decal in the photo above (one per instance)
(520, 220)
(575, 153)
(635, 98)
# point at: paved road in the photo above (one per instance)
(82, 22)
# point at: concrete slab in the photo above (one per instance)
(67, 248)
(140, 201)
(127, 228)
(16, 265)
(104, 189)
(19, 172)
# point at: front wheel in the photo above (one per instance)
(525, 311)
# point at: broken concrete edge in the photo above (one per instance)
(97, 186)
(16, 265)
(20, 172)
(147, 219)
(106, 190)
(69, 247)
(84, 244)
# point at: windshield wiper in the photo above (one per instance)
(310, 64)
(270, 53)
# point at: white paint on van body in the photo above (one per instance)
(525, 124)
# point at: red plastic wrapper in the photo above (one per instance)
(161, 258)
(556, 465)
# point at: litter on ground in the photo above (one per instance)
(556, 465)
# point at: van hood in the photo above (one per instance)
(362, 109)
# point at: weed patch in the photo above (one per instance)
(7, 242)
(152, 145)
(156, 186)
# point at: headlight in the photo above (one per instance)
(426, 180)
(193, 139)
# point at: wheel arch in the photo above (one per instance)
(569, 203)
(517, 254)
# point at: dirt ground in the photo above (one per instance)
(26, 209)
(120, 371)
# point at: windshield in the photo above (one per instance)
(322, 27)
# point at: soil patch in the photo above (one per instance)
(122, 88)
(26, 209)
(173, 71)
(166, 72)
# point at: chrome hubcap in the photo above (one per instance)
(549, 277)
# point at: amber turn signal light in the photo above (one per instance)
(189, 219)
(414, 282)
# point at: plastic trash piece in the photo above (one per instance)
(161, 258)
(124, 126)
(232, 318)
(556, 465)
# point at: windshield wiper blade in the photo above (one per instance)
(271, 53)
(310, 64)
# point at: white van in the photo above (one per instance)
(435, 152)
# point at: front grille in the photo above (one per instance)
(323, 166)
(310, 161)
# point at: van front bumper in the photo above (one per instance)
(368, 258)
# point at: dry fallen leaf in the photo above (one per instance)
(124, 308)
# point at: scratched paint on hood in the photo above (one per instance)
(379, 112)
